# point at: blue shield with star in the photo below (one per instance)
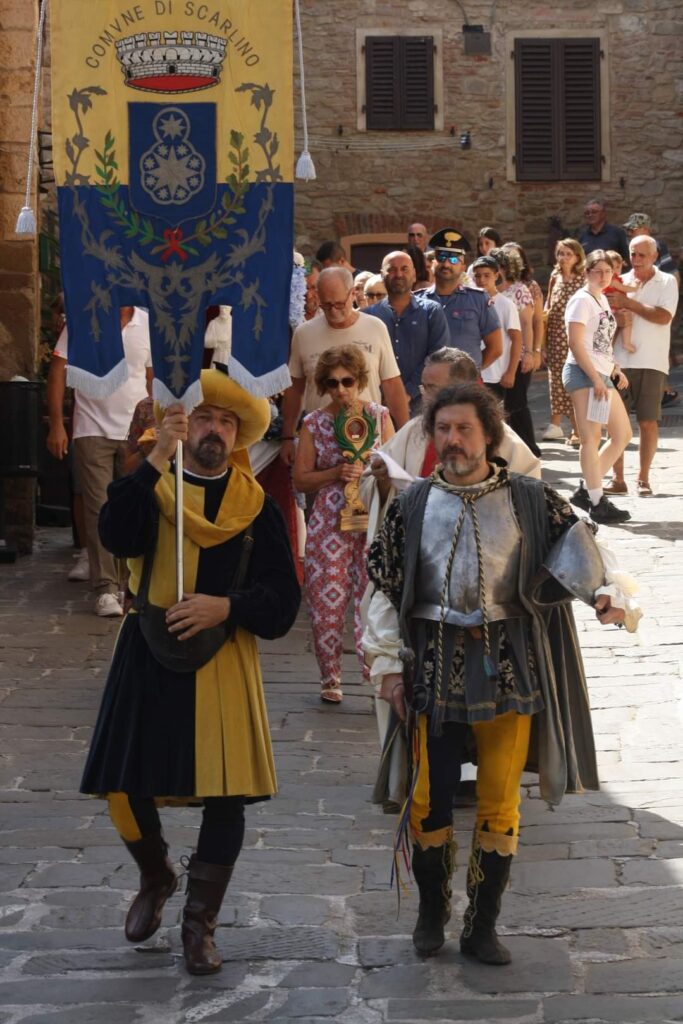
(172, 161)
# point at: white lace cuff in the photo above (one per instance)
(620, 587)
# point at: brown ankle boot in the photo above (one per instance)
(206, 885)
(158, 881)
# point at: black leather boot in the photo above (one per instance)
(432, 869)
(206, 885)
(487, 877)
(158, 881)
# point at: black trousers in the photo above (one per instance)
(221, 834)
(517, 410)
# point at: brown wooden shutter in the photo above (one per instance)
(399, 83)
(557, 95)
(382, 83)
(580, 140)
(417, 92)
(536, 154)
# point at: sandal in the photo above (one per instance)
(616, 487)
(574, 441)
(331, 694)
(644, 490)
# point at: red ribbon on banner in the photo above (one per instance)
(173, 237)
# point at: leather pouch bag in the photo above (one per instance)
(184, 655)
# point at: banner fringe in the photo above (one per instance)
(260, 387)
(92, 385)
(189, 400)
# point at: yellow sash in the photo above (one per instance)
(242, 502)
(233, 753)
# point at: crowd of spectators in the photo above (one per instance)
(432, 295)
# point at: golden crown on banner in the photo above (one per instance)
(171, 61)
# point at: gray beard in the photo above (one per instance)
(463, 465)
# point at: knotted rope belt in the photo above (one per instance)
(469, 499)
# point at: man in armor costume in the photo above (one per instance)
(183, 716)
(470, 627)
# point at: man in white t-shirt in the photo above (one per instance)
(100, 428)
(653, 307)
(340, 325)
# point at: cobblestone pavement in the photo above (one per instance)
(310, 931)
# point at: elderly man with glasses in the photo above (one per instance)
(598, 234)
(472, 320)
(340, 325)
(417, 235)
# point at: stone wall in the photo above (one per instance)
(360, 179)
(19, 290)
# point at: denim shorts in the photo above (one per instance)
(573, 378)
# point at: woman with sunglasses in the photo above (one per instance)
(375, 290)
(334, 560)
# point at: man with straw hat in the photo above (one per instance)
(183, 716)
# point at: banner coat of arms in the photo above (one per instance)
(173, 150)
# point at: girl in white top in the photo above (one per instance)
(590, 365)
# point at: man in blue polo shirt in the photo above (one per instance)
(471, 317)
(598, 234)
(417, 326)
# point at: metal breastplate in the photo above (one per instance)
(500, 546)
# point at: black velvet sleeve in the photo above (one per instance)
(126, 522)
(268, 604)
(386, 555)
(560, 514)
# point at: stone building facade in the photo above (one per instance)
(371, 184)
(374, 183)
(19, 283)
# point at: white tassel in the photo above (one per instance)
(26, 221)
(305, 168)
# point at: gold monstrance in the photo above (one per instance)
(355, 433)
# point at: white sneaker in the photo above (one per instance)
(553, 432)
(107, 605)
(81, 570)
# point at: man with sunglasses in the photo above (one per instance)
(417, 235)
(471, 317)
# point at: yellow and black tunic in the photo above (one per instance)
(193, 735)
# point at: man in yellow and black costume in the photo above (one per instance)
(183, 716)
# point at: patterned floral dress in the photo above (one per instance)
(556, 344)
(334, 565)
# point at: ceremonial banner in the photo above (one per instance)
(172, 139)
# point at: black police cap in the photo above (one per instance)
(449, 239)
